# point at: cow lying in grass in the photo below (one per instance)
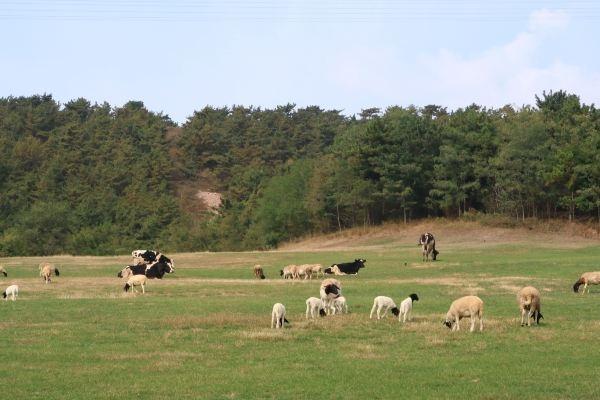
(349, 268)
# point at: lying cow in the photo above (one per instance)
(163, 265)
(346, 268)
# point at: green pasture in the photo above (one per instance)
(204, 332)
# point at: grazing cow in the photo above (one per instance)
(346, 268)
(163, 265)
(427, 243)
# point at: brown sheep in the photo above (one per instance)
(258, 272)
(529, 303)
(587, 278)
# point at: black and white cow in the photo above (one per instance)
(427, 242)
(347, 268)
(161, 266)
(148, 256)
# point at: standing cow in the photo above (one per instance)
(427, 243)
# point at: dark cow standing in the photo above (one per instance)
(348, 268)
(161, 266)
(427, 242)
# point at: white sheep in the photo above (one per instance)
(406, 307)
(339, 305)
(330, 289)
(314, 306)
(278, 316)
(136, 280)
(383, 302)
(587, 278)
(303, 271)
(529, 303)
(12, 290)
(3, 271)
(468, 306)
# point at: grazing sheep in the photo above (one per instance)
(587, 278)
(317, 269)
(46, 270)
(314, 306)
(304, 271)
(278, 316)
(258, 272)
(529, 303)
(330, 289)
(406, 307)
(136, 280)
(468, 306)
(288, 272)
(339, 305)
(381, 302)
(12, 290)
(3, 271)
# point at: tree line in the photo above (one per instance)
(86, 178)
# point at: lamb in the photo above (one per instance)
(46, 270)
(278, 316)
(3, 271)
(587, 278)
(468, 306)
(381, 302)
(136, 280)
(258, 272)
(529, 303)
(12, 290)
(330, 289)
(406, 307)
(338, 305)
(314, 306)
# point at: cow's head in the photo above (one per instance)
(161, 258)
(361, 262)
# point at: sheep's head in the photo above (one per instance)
(262, 276)
(332, 290)
(395, 311)
(322, 312)
(280, 272)
(447, 323)
(414, 297)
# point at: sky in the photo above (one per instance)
(182, 55)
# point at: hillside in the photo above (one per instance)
(555, 233)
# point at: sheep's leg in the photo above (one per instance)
(457, 322)
(584, 287)
(472, 324)
(143, 289)
(372, 311)
(522, 317)
(307, 309)
(385, 312)
(481, 323)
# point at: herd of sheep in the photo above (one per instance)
(151, 264)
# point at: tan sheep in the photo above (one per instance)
(136, 280)
(317, 269)
(3, 271)
(288, 272)
(587, 278)
(468, 306)
(529, 303)
(46, 270)
(258, 272)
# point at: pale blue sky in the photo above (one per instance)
(178, 56)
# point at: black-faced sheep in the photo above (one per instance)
(406, 307)
(278, 316)
(529, 304)
(136, 280)
(330, 289)
(3, 271)
(587, 278)
(12, 290)
(46, 270)
(258, 272)
(384, 303)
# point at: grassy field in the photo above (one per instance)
(203, 332)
